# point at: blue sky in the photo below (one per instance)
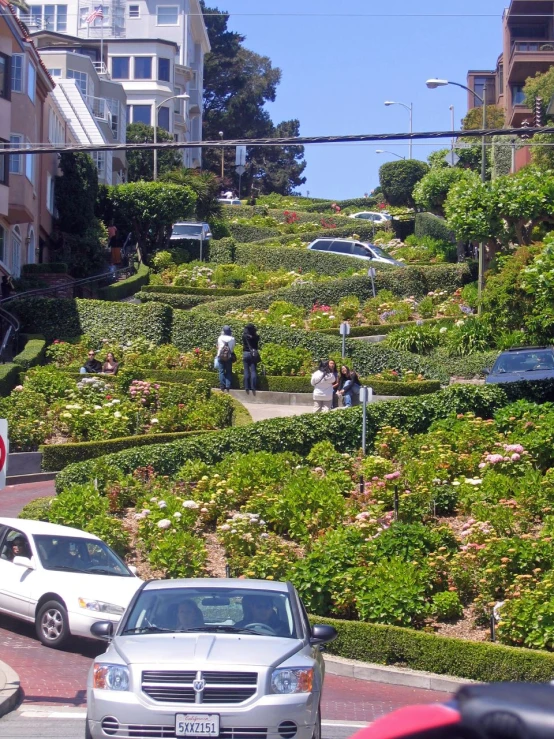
(338, 71)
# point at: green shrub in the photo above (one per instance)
(200, 291)
(297, 434)
(37, 510)
(244, 233)
(391, 645)
(277, 257)
(33, 353)
(221, 251)
(447, 606)
(125, 288)
(378, 329)
(417, 339)
(9, 378)
(181, 302)
(473, 335)
(427, 224)
(398, 179)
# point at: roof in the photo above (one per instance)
(29, 526)
(77, 40)
(210, 583)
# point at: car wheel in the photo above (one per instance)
(52, 624)
(317, 727)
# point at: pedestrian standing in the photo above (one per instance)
(334, 372)
(250, 356)
(225, 357)
(322, 382)
(112, 243)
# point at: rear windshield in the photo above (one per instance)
(181, 230)
(525, 362)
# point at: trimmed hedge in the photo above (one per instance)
(297, 434)
(55, 317)
(363, 229)
(125, 288)
(361, 203)
(393, 645)
(9, 378)
(56, 457)
(245, 233)
(379, 329)
(182, 302)
(32, 353)
(428, 224)
(182, 290)
(221, 251)
(54, 268)
(305, 260)
(402, 281)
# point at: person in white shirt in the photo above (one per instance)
(224, 359)
(322, 382)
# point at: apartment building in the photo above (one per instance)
(527, 48)
(154, 48)
(28, 115)
(94, 107)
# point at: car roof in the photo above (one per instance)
(348, 241)
(372, 212)
(28, 526)
(210, 582)
(190, 223)
(525, 350)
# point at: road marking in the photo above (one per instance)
(41, 713)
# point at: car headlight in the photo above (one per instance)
(110, 677)
(292, 680)
(101, 607)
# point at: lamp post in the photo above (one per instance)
(410, 109)
(433, 84)
(183, 96)
(384, 151)
(222, 159)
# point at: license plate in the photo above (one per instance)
(197, 724)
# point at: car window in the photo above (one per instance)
(321, 245)
(360, 251)
(379, 252)
(215, 609)
(77, 554)
(524, 362)
(341, 247)
(186, 230)
(15, 544)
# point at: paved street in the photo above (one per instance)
(14, 497)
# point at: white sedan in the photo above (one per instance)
(60, 578)
(369, 215)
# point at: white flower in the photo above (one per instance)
(165, 523)
(146, 511)
(97, 407)
(190, 504)
(87, 413)
(153, 500)
(117, 414)
(115, 400)
(455, 483)
(225, 527)
(176, 514)
(154, 420)
(162, 504)
(473, 481)
(443, 330)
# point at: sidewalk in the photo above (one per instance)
(9, 689)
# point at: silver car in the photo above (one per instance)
(235, 659)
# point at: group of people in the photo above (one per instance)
(226, 356)
(331, 385)
(256, 610)
(94, 367)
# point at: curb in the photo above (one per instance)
(10, 689)
(393, 675)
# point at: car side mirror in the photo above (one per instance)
(102, 630)
(486, 371)
(322, 634)
(24, 562)
(133, 569)
(209, 235)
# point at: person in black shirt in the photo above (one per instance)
(250, 356)
(92, 365)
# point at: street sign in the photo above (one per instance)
(240, 169)
(344, 329)
(4, 450)
(371, 272)
(462, 145)
(240, 159)
(452, 159)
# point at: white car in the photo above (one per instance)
(356, 249)
(369, 215)
(229, 201)
(60, 578)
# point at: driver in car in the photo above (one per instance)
(258, 609)
(19, 548)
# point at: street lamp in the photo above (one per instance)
(182, 96)
(222, 159)
(410, 109)
(433, 84)
(384, 151)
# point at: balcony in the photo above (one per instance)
(109, 111)
(529, 56)
(101, 69)
(33, 22)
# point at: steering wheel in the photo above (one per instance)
(264, 628)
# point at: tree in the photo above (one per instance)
(437, 159)
(150, 209)
(398, 180)
(237, 85)
(432, 190)
(541, 85)
(204, 185)
(473, 120)
(140, 163)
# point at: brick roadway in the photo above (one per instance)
(58, 678)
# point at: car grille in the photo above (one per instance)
(112, 727)
(176, 686)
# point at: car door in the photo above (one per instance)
(320, 245)
(359, 250)
(15, 580)
(344, 248)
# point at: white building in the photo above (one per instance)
(154, 48)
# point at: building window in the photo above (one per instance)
(16, 251)
(30, 166)
(84, 13)
(142, 114)
(143, 67)
(31, 82)
(120, 67)
(2, 242)
(479, 84)
(163, 118)
(16, 160)
(56, 72)
(80, 78)
(518, 95)
(56, 130)
(17, 73)
(99, 158)
(61, 18)
(5, 77)
(50, 195)
(134, 11)
(4, 165)
(164, 69)
(167, 15)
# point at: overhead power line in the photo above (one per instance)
(285, 141)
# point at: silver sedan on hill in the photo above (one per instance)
(234, 659)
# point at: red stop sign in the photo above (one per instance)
(2, 453)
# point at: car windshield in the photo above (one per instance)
(182, 229)
(212, 609)
(76, 554)
(524, 362)
(379, 252)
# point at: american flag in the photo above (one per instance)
(96, 13)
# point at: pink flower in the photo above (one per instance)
(514, 448)
(516, 457)
(494, 458)
(392, 475)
